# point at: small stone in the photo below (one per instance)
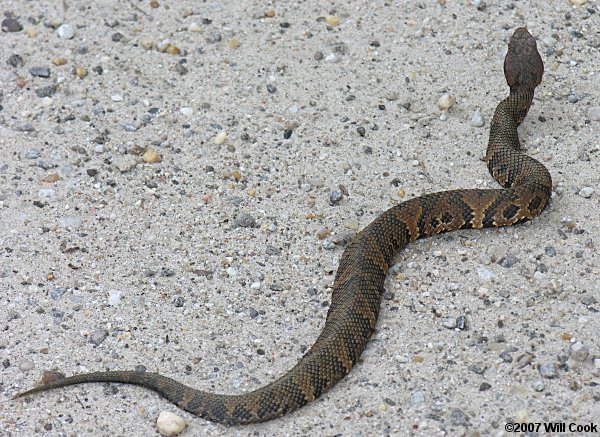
(187, 111)
(57, 293)
(70, 221)
(361, 131)
(508, 261)
(66, 31)
(91, 172)
(538, 385)
(59, 61)
(97, 336)
(449, 322)
(318, 56)
(233, 43)
(586, 192)
(116, 98)
(151, 156)
(578, 2)
(194, 27)
(15, 61)
(271, 88)
(252, 313)
(46, 91)
(33, 153)
(477, 120)
(51, 178)
(215, 37)
(335, 197)
(25, 365)
(40, 71)
(579, 352)
(287, 134)
(81, 72)
(114, 297)
(332, 20)
(548, 371)
(330, 58)
(220, 138)
(446, 102)
(11, 25)
(484, 386)
(593, 113)
(417, 397)
(170, 424)
(458, 418)
(244, 220)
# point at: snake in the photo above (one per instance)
(364, 264)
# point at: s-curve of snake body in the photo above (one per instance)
(364, 264)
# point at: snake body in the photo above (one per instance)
(364, 264)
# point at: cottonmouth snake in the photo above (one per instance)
(364, 264)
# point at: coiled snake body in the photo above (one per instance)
(364, 264)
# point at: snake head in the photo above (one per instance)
(523, 66)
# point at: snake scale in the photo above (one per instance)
(364, 264)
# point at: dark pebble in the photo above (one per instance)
(98, 69)
(260, 351)
(178, 301)
(206, 21)
(91, 172)
(508, 261)
(40, 71)
(271, 88)
(550, 251)
(361, 131)
(335, 197)
(98, 336)
(215, 37)
(542, 118)
(151, 184)
(6, 363)
(318, 56)
(117, 37)
(287, 134)
(244, 220)
(368, 150)
(312, 291)
(252, 313)
(381, 106)
(484, 386)
(11, 25)
(140, 368)
(272, 250)
(506, 357)
(46, 91)
(15, 61)
(375, 44)
(461, 322)
(284, 25)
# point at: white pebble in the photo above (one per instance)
(70, 221)
(231, 271)
(330, 57)
(593, 113)
(66, 31)
(114, 297)
(579, 352)
(578, 2)
(586, 192)
(187, 111)
(46, 192)
(477, 120)
(194, 27)
(220, 138)
(447, 101)
(116, 98)
(170, 424)
(25, 365)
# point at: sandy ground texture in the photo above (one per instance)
(214, 265)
